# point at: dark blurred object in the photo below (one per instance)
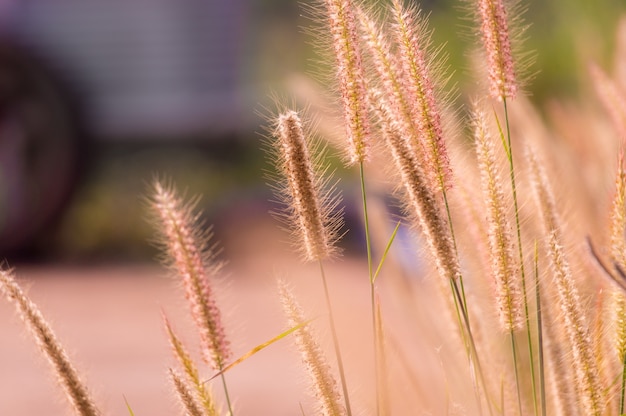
(141, 69)
(41, 142)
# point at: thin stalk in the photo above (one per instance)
(460, 303)
(542, 379)
(372, 288)
(456, 250)
(623, 387)
(333, 330)
(230, 407)
(517, 382)
(473, 351)
(521, 254)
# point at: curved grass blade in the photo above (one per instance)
(259, 348)
(130, 411)
(382, 260)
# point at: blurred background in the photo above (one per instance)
(98, 98)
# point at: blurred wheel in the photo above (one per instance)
(40, 142)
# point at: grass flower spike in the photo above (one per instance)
(421, 202)
(612, 96)
(350, 74)
(507, 284)
(494, 30)
(185, 395)
(420, 83)
(202, 392)
(618, 255)
(193, 261)
(309, 206)
(323, 382)
(75, 390)
(588, 381)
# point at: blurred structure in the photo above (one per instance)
(72, 71)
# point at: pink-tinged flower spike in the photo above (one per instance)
(613, 98)
(504, 267)
(588, 380)
(494, 30)
(323, 382)
(420, 200)
(75, 390)
(420, 85)
(392, 84)
(193, 380)
(350, 74)
(193, 260)
(310, 206)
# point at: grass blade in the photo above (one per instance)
(259, 348)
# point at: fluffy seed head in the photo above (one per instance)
(350, 74)
(420, 85)
(494, 30)
(323, 382)
(185, 395)
(202, 393)
(311, 206)
(75, 391)
(394, 86)
(613, 97)
(588, 381)
(618, 253)
(507, 282)
(421, 202)
(192, 258)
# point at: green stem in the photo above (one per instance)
(372, 288)
(460, 303)
(230, 407)
(333, 330)
(473, 351)
(521, 253)
(542, 379)
(517, 382)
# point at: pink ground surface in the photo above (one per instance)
(109, 319)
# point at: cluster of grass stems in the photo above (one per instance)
(515, 266)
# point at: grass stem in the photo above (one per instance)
(542, 379)
(368, 245)
(333, 330)
(623, 387)
(509, 151)
(226, 395)
(517, 380)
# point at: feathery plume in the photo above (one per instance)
(618, 215)
(560, 380)
(185, 395)
(586, 367)
(421, 88)
(420, 199)
(350, 74)
(311, 209)
(193, 260)
(613, 98)
(494, 30)
(618, 254)
(390, 74)
(202, 393)
(75, 390)
(323, 382)
(508, 286)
